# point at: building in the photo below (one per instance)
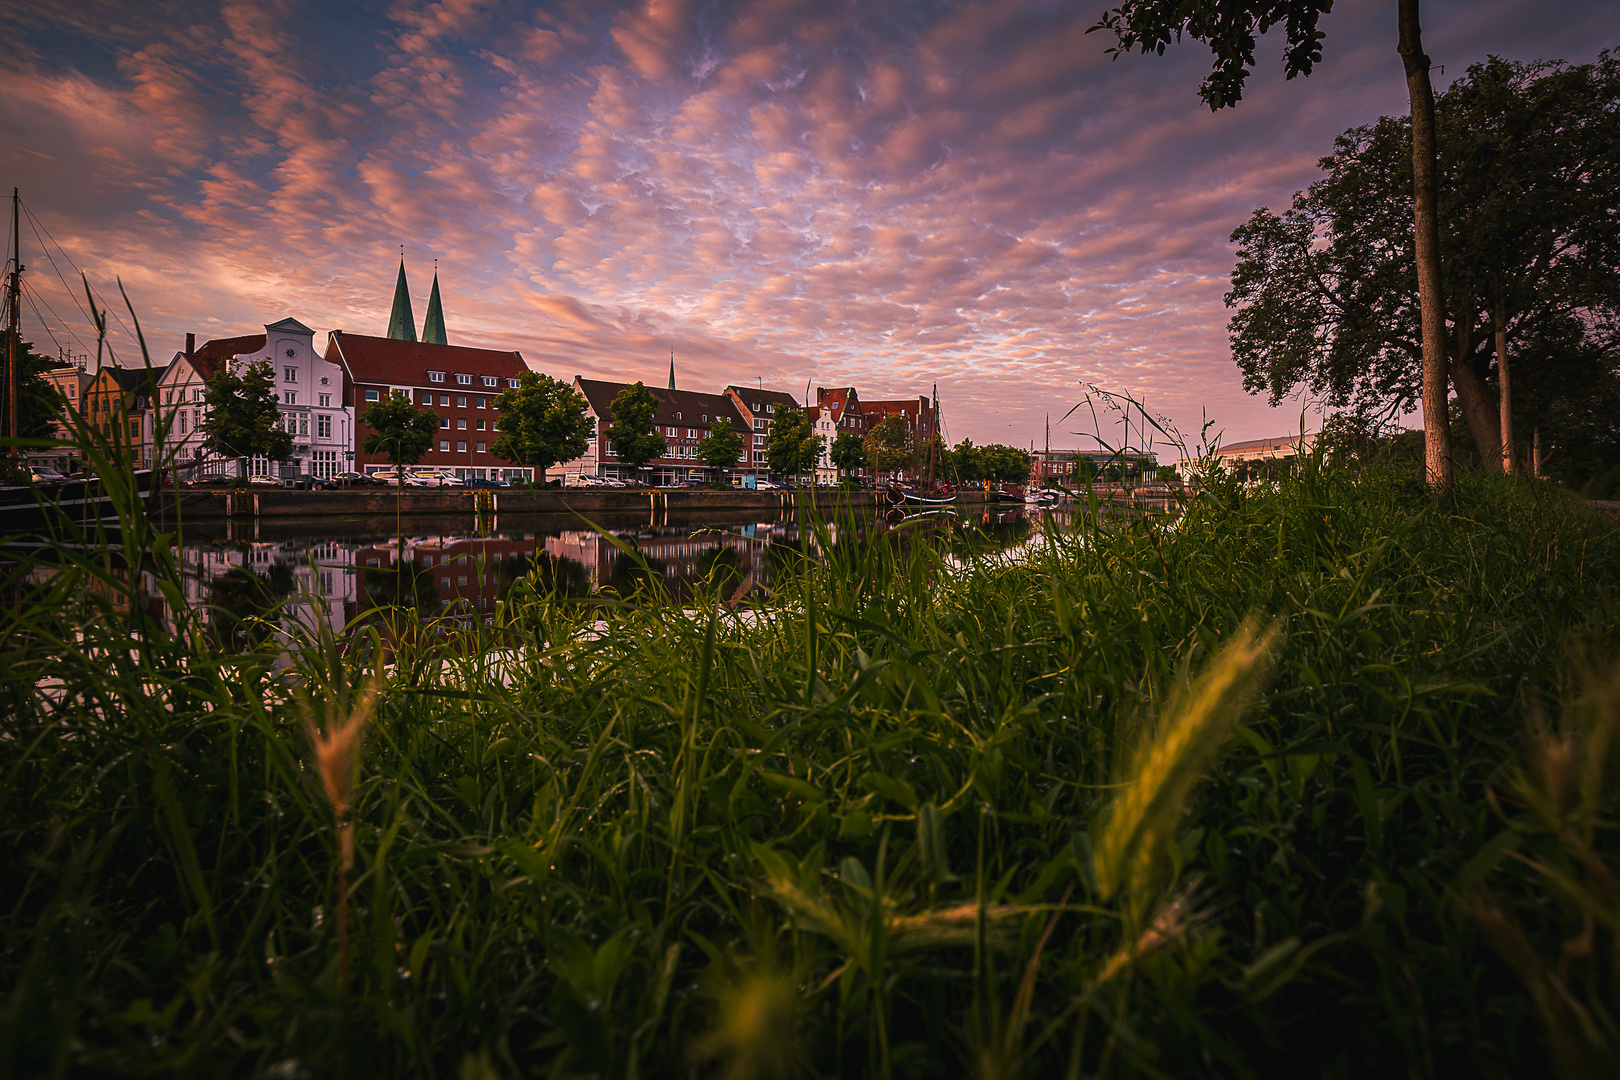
(313, 396)
(459, 384)
(918, 414)
(1062, 466)
(684, 418)
(71, 383)
(836, 412)
(1277, 448)
(180, 402)
(758, 408)
(116, 403)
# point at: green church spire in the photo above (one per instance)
(402, 322)
(433, 321)
(672, 369)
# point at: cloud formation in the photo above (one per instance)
(892, 195)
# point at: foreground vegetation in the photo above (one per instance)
(916, 813)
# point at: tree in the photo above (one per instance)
(633, 436)
(1326, 293)
(38, 402)
(847, 453)
(967, 463)
(1229, 27)
(721, 447)
(399, 431)
(542, 421)
(243, 420)
(888, 444)
(792, 447)
(1004, 464)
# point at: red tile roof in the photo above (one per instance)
(406, 363)
(752, 396)
(690, 404)
(211, 352)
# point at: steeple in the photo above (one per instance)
(433, 321)
(402, 322)
(672, 369)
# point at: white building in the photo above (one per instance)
(314, 396)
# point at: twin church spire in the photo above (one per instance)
(402, 320)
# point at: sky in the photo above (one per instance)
(885, 194)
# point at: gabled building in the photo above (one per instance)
(460, 385)
(116, 403)
(313, 396)
(684, 418)
(837, 411)
(759, 408)
(71, 382)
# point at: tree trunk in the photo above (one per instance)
(1504, 386)
(1425, 219)
(1474, 402)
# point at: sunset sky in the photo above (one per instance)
(884, 194)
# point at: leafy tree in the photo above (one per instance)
(634, 438)
(847, 453)
(888, 444)
(541, 422)
(243, 420)
(721, 448)
(1326, 293)
(399, 431)
(1005, 464)
(38, 403)
(792, 446)
(1229, 27)
(966, 463)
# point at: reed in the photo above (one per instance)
(916, 809)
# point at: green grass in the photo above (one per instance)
(1248, 793)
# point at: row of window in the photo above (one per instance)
(461, 423)
(467, 380)
(461, 447)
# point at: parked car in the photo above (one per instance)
(351, 479)
(212, 480)
(434, 478)
(489, 483)
(264, 481)
(44, 474)
(304, 482)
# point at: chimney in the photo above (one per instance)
(191, 344)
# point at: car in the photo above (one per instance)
(434, 478)
(263, 481)
(305, 482)
(347, 479)
(489, 483)
(212, 480)
(44, 474)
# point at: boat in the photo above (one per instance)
(1043, 497)
(26, 509)
(899, 496)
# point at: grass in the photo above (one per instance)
(1310, 781)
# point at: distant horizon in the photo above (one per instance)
(972, 195)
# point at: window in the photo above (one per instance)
(464, 380)
(690, 433)
(435, 376)
(461, 447)
(490, 380)
(196, 395)
(461, 401)
(373, 395)
(182, 423)
(480, 449)
(480, 402)
(289, 374)
(758, 423)
(326, 401)
(444, 446)
(444, 400)
(759, 440)
(73, 391)
(461, 423)
(770, 408)
(134, 429)
(289, 397)
(480, 425)
(511, 384)
(705, 418)
(323, 426)
(673, 432)
(677, 416)
(444, 421)
(168, 397)
(303, 426)
(427, 399)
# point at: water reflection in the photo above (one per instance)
(298, 574)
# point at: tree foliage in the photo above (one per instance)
(634, 438)
(722, 446)
(1228, 27)
(888, 444)
(542, 421)
(1326, 293)
(848, 452)
(243, 420)
(399, 431)
(792, 446)
(38, 402)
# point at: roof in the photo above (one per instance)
(752, 396)
(290, 324)
(689, 404)
(130, 379)
(406, 363)
(225, 348)
(837, 399)
(1278, 442)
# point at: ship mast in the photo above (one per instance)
(14, 326)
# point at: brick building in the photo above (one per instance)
(459, 384)
(684, 418)
(758, 407)
(837, 411)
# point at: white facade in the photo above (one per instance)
(180, 401)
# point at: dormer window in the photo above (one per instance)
(677, 416)
(435, 376)
(464, 380)
(770, 408)
(511, 384)
(490, 380)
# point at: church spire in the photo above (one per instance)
(402, 322)
(672, 369)
(433, 321)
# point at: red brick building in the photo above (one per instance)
(837, 411)
(459, 384)
(758, 407)
(684, 418)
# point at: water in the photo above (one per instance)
(253, 575)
